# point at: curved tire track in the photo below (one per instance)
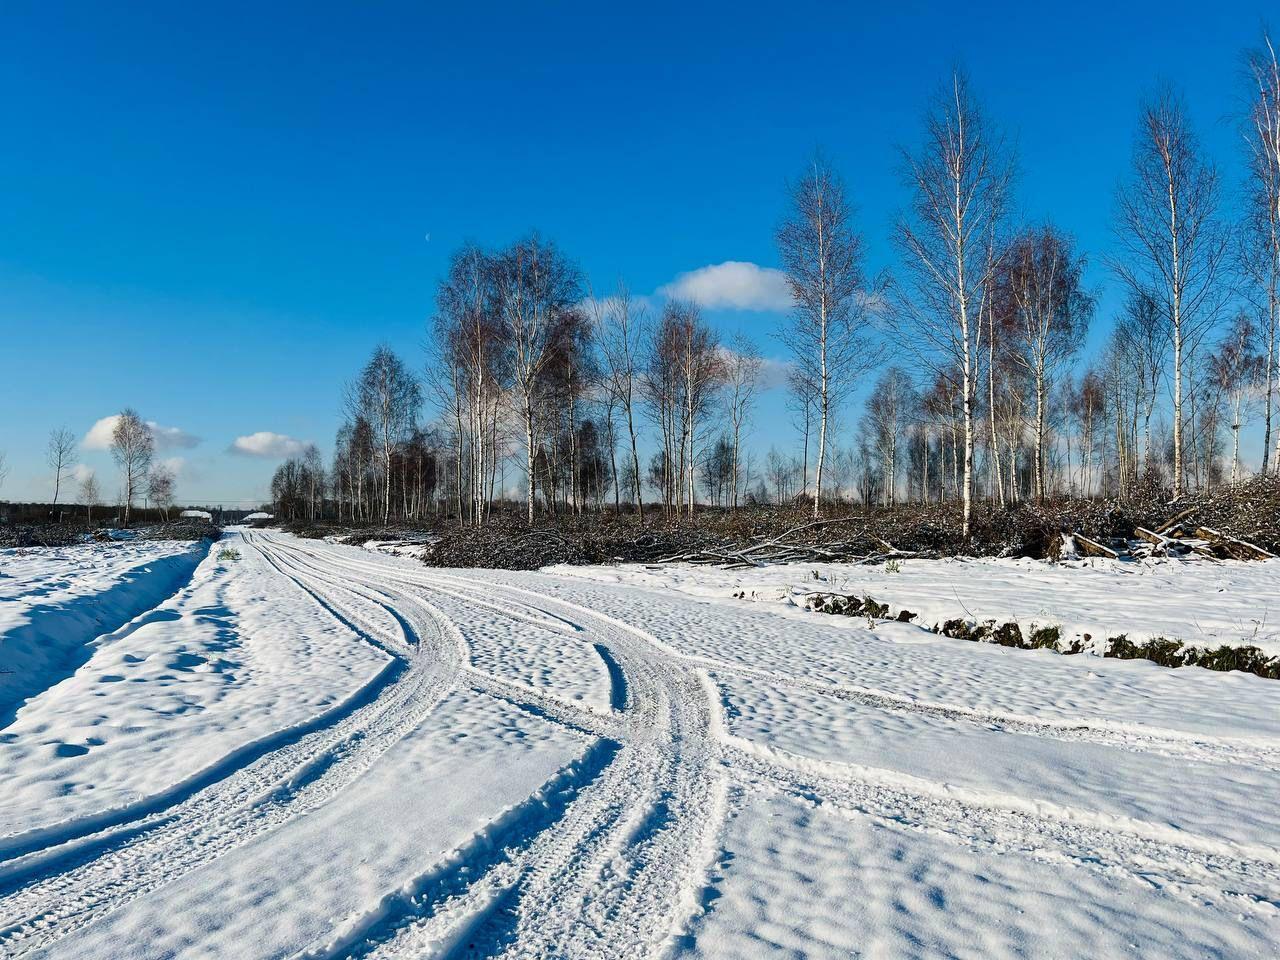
(108, 870)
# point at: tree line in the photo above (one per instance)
(969, 353)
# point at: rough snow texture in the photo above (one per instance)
(54, 602)
(327, 751)
(1202, 603)
(234, 656)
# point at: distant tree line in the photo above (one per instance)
(570, 401)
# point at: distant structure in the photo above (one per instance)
(258, 516)
(196, 515)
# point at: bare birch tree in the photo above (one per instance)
(60, 456)
(700, 365)
(888, 408)
(132, 447)
(1145, 338)
(802, 403)
(536, 285)
(742, 368)
(1237, 369)
(468, 370)
(160, 488)
(89, 494)
(960, 182)
(828, 332)
(1262, 243)
(1046, 312)
(621, 326)
(388, 396)
(1173, 248)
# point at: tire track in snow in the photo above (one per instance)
(620, 872)
(107, 872)
(1243, 876)
(1125, 736)
(611, 856)
(1168, 743)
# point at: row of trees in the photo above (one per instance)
(529, 369)
(132, 448)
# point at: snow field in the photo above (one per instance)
(873, 888)
(344, 867)
(54, 602)
(623, 762)
(1199, 602)
(237, 656)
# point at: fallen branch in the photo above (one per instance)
(1176, 519)
(1093, 548)
(1238, 549)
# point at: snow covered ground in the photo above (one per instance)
(325, 751)
(53, 602)
(1201, 602)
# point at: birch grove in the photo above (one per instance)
(959, 181)
(1262, 223)
(973, 378)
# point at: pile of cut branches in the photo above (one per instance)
(797, 544)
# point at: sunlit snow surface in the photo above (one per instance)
(327, 751)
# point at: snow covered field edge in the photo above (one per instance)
(55, 604)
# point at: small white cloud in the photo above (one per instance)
(734, 285)
(171, 438)
(99, 435)
(175, 465)
(264, 443)
(775, 373)
(166, 438)
(609, 303)
(81, 472)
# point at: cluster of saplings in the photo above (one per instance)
(968, 354)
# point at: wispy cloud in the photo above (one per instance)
(733, 285)
(166, 438)
(175, 465)
(264, 443)
(774, 371)
(171, 438)
(609, 302)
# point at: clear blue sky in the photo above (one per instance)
(213, 213)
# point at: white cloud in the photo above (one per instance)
(774, 371)
(175, 465)
(99, 435)
(166, 438)
(171, 438)
(81, 472)
(734, 284)
(264, 443)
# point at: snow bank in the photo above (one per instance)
(55, 602)
(1231, 603)
(238, 655)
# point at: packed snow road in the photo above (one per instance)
(318, 751)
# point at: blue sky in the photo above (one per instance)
(213, 215)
